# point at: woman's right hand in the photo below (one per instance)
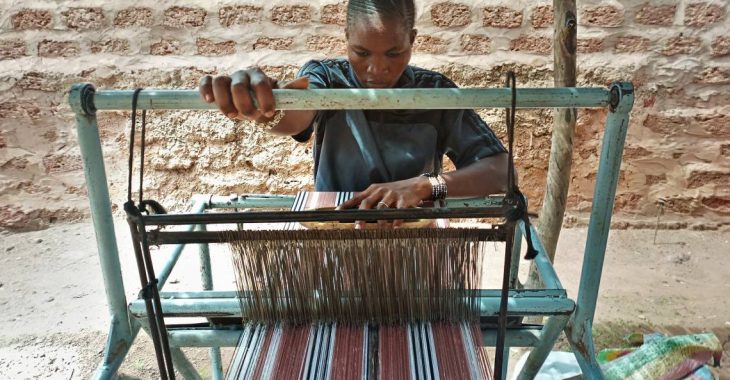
(238, 95)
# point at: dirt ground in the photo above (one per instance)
(53, 323)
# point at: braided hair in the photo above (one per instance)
(386, 9)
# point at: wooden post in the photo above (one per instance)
(561, 151)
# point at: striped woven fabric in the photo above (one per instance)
(350, 351)
(329, 351)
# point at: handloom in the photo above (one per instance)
(358, 303)
(156, 309)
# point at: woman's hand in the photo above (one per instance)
(400, 194)
(237, 95)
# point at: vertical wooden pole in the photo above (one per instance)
(561, 151)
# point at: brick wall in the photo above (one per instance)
(677, 53)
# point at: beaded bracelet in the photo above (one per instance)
(438, 186)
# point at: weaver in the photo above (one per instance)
(371, 303)
(383, 279)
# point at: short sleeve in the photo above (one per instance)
(464, 137)
(317, 73)
(318, 78)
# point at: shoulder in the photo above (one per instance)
(423, 78)
(325, 66)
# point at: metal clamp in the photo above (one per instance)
(81, 99)
(620, 92)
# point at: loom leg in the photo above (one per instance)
(550, 334)
(216, 367)
(171, 261)
(581, 341)
(183, 365)
(121, 333)
(206, 277)
(515, 269)
(116, 349)
(579, 329)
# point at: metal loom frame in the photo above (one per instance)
(575, 317)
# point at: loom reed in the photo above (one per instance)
(380, 276)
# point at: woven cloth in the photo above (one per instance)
(664, 358)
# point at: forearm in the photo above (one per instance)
(484, 177)
(293, 122)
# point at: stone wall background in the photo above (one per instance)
(677, 54)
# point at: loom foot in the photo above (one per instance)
(120, 339)
(580, 337)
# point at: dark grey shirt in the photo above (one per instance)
(356, 148)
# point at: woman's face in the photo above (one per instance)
(379, 50)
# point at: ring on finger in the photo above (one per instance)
(384, 204)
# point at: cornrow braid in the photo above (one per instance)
(387, 9)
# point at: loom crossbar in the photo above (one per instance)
(254, 201)
(575, 318)
(157, 237)
(521, 302)
(324, 216)
(334, 99)
(197, 336)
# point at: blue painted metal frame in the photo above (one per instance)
(122, 329)
(580, 326)
(574, 318)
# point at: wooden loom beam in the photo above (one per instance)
(561, 150)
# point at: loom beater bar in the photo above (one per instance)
(231, 307)
(337, 99)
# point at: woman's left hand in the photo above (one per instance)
(400, 194)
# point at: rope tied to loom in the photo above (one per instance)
(129, 206)
(514, 200)
(148, 279)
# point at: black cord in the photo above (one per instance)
(143, 204)
(515, 200)
(510, 122)
(144, 261)
(130, 163)
(141, 158)
(509, 203)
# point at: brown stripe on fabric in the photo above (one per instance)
(482, 357)
(393, 353)
(290, 359)
(450, 351)
(348, 353)
(263, 353)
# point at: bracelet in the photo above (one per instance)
(278, 115)
(438, 186)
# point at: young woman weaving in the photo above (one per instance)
(393, 157)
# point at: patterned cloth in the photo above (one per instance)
(663, 358)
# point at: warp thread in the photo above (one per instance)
(371, 276)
